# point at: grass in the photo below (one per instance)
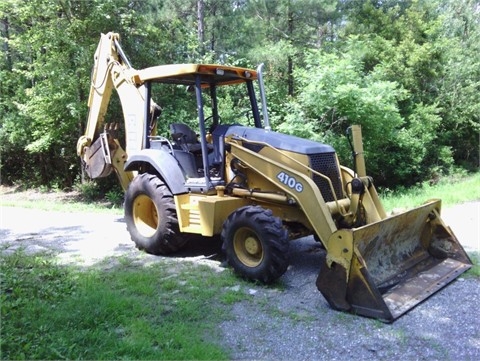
(53, 200)
(451, 190)
(163, 311)
(62, 206)
(160, 312)
(475, 270)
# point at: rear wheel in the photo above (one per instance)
(151, 216)
(256, 244)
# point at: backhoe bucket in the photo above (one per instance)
(396, 264)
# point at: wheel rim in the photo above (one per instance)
(145, 215)
(248, 247)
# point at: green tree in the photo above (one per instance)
(48, 48)
(404, 42)
(336, 93)
(459, 88)
(406, 70)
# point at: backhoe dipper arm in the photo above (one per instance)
(100, 89)
(99, 150)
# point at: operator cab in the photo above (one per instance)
(200, 156)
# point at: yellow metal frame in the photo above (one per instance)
(205, 215)
(365, 265)
(185, 74)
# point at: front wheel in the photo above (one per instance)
(255, 244)
(151, 216)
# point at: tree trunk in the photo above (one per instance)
(6, 49)
(201, 25)
(290, 58)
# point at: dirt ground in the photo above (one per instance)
(292, 320)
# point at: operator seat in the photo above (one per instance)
(184, 136)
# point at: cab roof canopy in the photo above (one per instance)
(185, 74)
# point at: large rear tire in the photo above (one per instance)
(256, 244)
(151, 216)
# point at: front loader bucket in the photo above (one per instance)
(396, 264)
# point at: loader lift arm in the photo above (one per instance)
(380, 269)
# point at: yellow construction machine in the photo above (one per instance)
(259, 189)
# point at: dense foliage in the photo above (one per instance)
(408, 71)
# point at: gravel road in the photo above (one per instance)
(290, 321)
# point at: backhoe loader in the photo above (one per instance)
(259, 189)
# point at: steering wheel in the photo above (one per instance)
(212, 127)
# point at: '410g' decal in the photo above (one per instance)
(290, 181)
